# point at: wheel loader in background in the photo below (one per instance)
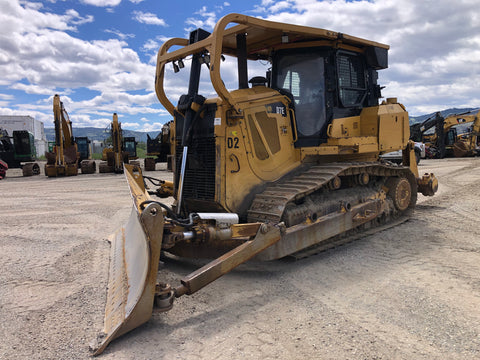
(18, 152)
(288, 165)
(123, 149)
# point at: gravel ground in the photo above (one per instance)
(409, 292)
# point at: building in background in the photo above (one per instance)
(20, 122)
(98, 146)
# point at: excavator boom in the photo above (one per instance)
(64, 158)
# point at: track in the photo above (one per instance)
(271, 203)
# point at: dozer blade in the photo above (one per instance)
(134, 257)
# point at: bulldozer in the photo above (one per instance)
(284, 163)
(123, 149)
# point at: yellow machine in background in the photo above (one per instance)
(123, 149)
(159, 149)
(64, 158)
(465, 144)
(285, 163)
(445, 141)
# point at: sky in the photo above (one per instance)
(100, 55)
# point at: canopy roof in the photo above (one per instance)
(262, 38)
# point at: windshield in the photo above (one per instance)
(130, 147)
(302, 75)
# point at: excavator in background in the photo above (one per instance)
(64, 158)
(284, 164)
(18, 152)
(464, 144)
(122, 151)
(418, 130)
(445, 141)
(159, 148)
(468, 144)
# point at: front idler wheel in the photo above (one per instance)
(400, 191)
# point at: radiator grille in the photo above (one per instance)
(199, 181)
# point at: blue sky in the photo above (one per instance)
(99, 55)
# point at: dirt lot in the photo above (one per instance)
(410, 292)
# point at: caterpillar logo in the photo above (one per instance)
(276, 108)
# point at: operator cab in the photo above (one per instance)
(323, 84)
(130, 146)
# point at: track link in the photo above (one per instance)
(270, 205)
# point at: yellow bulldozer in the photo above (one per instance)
(286, 162)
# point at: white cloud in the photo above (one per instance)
(27, 109)
(152, 127)
(433, 61)
(38, 56)
(118, 33)
(433, 50)
(48, 58)
(6, 97)
(150, 45)
(102, 3)
(76, 19)
(148, 18)
(32, 89)
(136, 1)
(206, 21)
(33, 5)
(130, 125)
(17, 19)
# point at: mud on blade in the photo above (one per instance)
(134, 257)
